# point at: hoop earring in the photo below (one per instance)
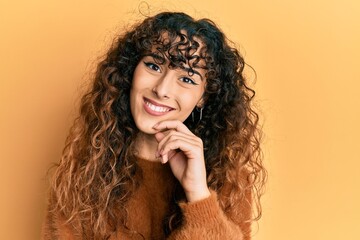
(200, 111)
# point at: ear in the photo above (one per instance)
(200, 103)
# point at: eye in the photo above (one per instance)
(152, 66)
(188, 80)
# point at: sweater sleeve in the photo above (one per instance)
(205, 219)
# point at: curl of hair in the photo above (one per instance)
(95, 176)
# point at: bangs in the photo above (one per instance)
(179, 50)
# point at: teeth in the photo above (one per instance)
(157, 108)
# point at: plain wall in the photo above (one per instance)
(306, 55)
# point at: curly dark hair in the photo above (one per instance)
(96, 172)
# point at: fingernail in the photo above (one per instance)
(157, 154)
(164, 157)
(156, 125)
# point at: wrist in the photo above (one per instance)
(197, 195)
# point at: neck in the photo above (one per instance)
(146, 146)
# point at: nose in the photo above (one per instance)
(165, 85)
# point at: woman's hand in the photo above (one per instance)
(185, 154)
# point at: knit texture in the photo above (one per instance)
(149, 206)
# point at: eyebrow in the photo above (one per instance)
(190, 71)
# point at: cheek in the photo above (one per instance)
(137, 84)
(189, 101)
(138, 77)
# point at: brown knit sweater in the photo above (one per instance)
(150, 204)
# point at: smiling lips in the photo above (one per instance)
(156, 109)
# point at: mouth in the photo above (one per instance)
(155, 108)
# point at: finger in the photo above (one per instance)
(172, 124)
(159, 136)
(169, 155)
(163, 137)
(173, 135)
(191, 150)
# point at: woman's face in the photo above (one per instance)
(159, 93)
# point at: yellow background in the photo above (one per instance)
(306, 54)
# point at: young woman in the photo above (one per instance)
(167, 142)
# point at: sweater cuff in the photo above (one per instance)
(201, 212)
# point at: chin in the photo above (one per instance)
(146, 128)
(149, 131)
